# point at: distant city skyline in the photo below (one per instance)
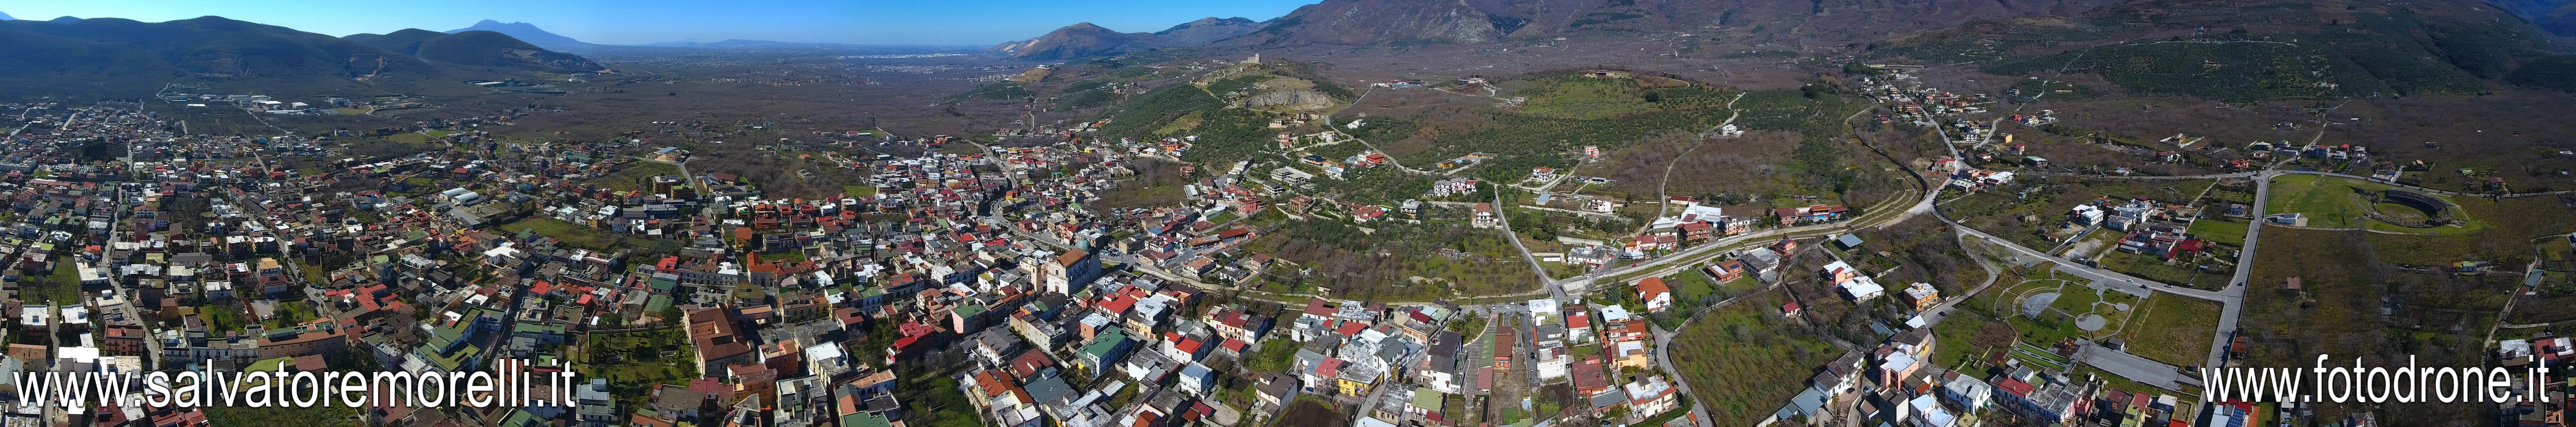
(969, 22)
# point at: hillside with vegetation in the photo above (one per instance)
(2261, 50)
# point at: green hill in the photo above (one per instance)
(476, 48)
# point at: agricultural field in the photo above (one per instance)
(2230, 71)
(1990, 40)
(1584, 96)
(1751, 356)
(2173, 329)
(1396, 261)
(2443, 320)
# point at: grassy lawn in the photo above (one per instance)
(1958, 341)
(2220, 230)
(2327, 201)
(634, 361)
(1744, 361)
(60, 286)
(636, 176)
(570, 233)
(1690, 286)
(859, 190)
(407, 138)
(2148, 267)
(2174, 329)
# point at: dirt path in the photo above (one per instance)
(1662, 187)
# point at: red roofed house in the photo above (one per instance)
(1657, 296)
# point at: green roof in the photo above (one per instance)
(534, 327)
(268, 365)
(450, 363)
(969, 310)
(863, 419)
(1102, 345)
(1423, 397)
(656, 302)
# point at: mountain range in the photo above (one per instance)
(1086, 39)
(1795, 22)
(529, 33)
(114, 55)
(477, 47)
(2280, 48)
(6, 17)
(2557, 16)
(1416, 22)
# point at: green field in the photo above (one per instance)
(569, 232)
(61, 285)
(2174, 329)
(2328, 202)
(1957, 338)
(1744, 361)
(2151, 268)
(637, 175)
(1574, 96)
(1689, 287)
(2221, 230)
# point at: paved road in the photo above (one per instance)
(2134, 367)
(1942, 311)
(1663, 359)
(2231, 298)
(2213, 176)
(2244, 272)
(1505, 221)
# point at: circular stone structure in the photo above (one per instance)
(2037, 303)
(2121, 306)
(2091, 322)
(2436, 212)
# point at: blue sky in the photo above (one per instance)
(966, 22)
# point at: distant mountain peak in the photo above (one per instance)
(1087, 39)
(525, 32)
(66, 19)
(476, 47)
(5, 17)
